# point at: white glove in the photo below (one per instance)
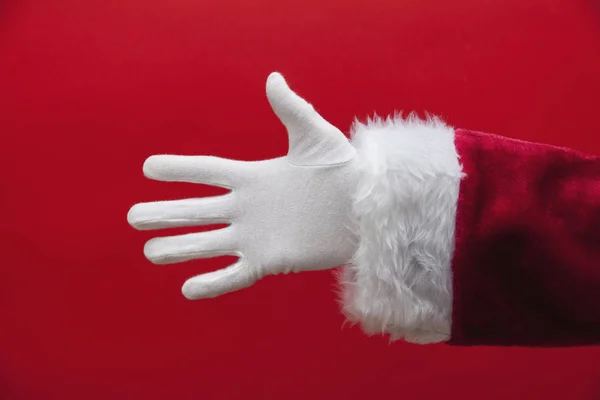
(286, 214)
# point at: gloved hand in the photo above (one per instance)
(286, 214)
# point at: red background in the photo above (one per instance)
(89, 89)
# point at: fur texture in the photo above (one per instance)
(399, 281)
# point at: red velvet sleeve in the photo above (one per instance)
(526, 266)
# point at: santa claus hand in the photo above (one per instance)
(285, 214)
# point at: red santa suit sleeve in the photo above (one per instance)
(473, 239)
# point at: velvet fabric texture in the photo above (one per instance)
(526, 266)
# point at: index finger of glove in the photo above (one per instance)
(208, 170)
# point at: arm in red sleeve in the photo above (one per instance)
(526, 267)
(473, 239)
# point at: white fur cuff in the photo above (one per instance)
(399, 281)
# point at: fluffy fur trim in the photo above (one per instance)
(399, 281)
